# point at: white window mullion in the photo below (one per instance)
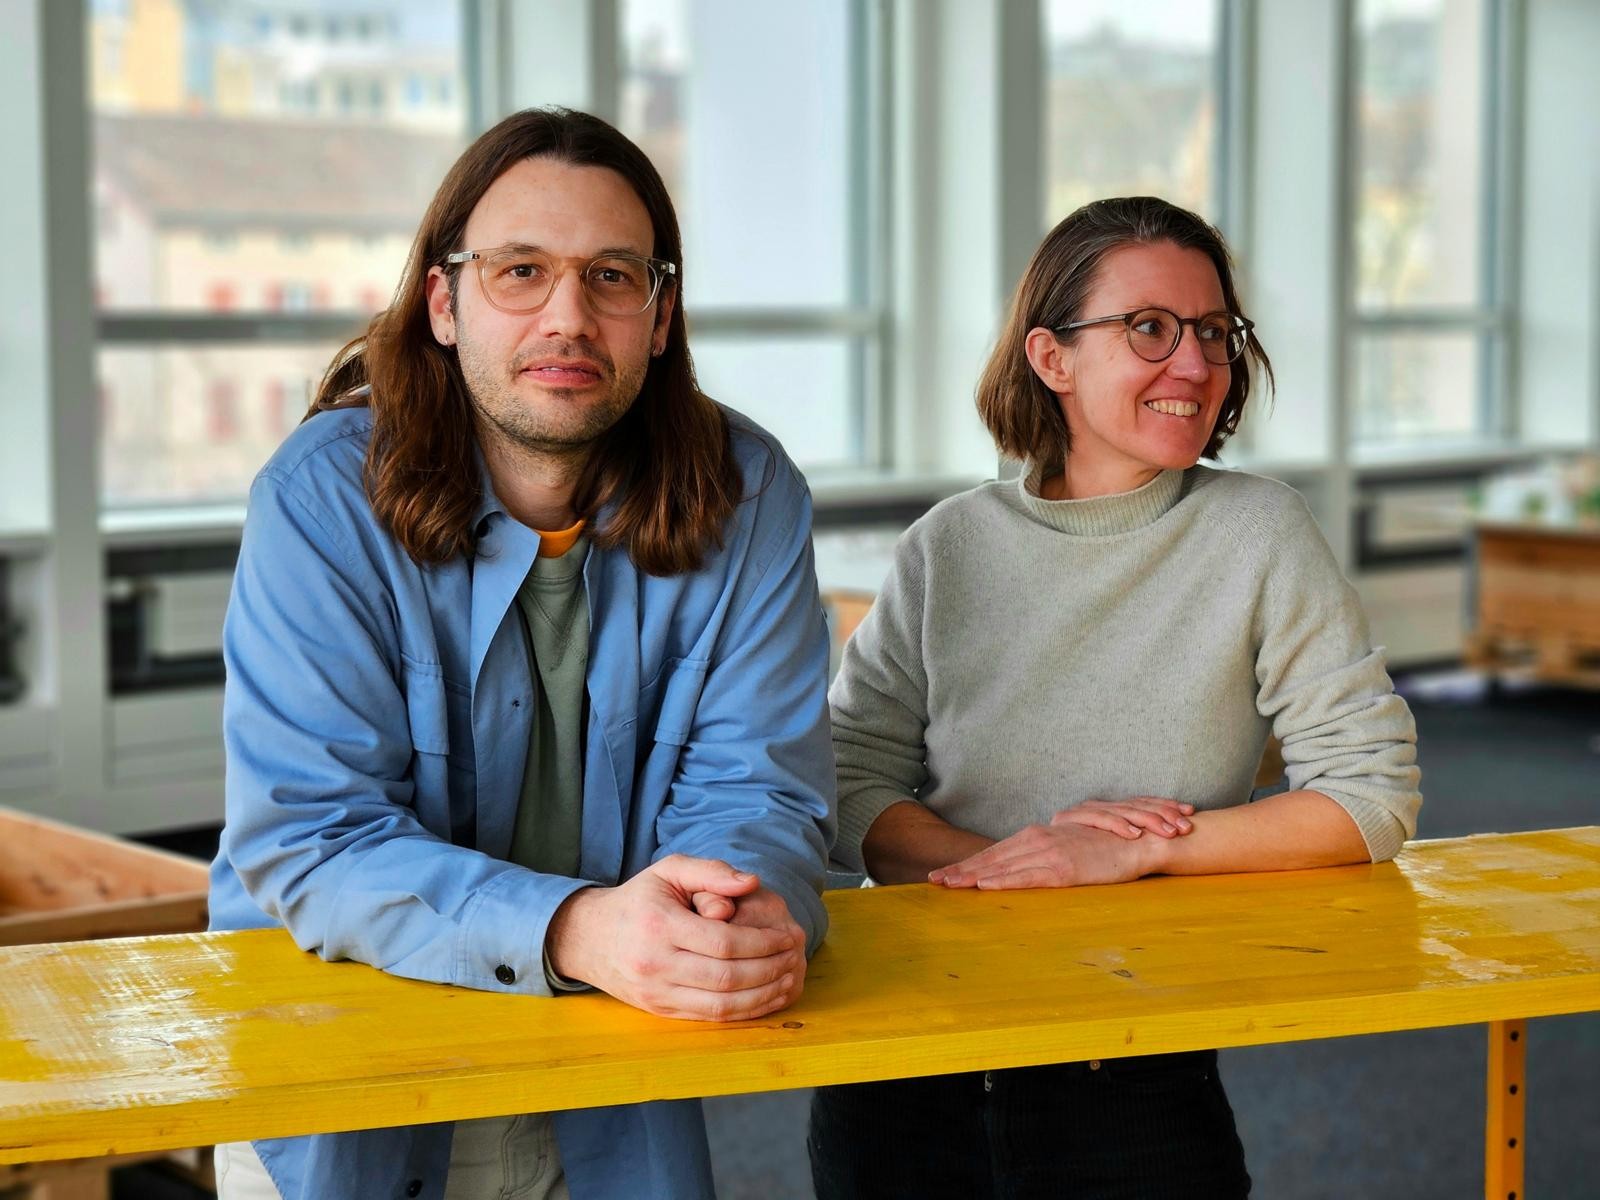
(773, 173)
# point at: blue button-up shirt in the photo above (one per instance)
(376, 720)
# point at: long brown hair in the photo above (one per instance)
(665, 472)
(1022, 414)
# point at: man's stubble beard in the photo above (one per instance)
(510, 415)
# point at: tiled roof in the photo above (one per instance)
(221, 172)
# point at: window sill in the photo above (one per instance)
(1463, 454)
(127, 528)
(840, 498)
(861, 498)
(23, 542)
(1286, 469)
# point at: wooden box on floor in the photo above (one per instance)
(61, 884)
(1536, 602)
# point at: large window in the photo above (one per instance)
(1132, 103)
(760, 117)
(1430, 329)
(260, 168)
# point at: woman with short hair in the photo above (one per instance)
(1069, 678)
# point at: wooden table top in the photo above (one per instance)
(150, 1043)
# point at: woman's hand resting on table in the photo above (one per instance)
(1098, 841)
(1130, 818)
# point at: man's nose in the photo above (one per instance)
(567, 312)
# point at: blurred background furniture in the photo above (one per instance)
(1535, 605)
(60, 884)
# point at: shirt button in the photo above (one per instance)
(414, 1188)
(1094, 1064)
(505, 975)
(988, 1081)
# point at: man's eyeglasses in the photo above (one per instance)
(1153, 333)
(517, 279)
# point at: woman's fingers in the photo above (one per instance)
(1066, 855)
(1034, 843)
(1099, 818)
(1157, 820)
(1034, 869)
(1026, 877)
(1168, 818)
(989, 855)
(1173, 810)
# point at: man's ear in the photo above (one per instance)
(1050, 360)
(664, 306)
(440, 316)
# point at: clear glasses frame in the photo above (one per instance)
(594, 291)
(1237, 331)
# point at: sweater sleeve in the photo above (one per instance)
(879, 706)
(1327, 691)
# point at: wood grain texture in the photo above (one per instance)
(123, 1046)
(59, 883)
(1537, 607)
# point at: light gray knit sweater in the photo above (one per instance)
(1026, 655)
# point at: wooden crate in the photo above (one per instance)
(61, 884)
(1536, 609)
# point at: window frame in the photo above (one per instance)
(497, 82)
(1492, 321)
(167, 329)
(866, 321)
(1231, 86)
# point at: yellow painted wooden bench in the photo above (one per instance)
(138, 1044)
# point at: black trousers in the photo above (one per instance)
(1122, 1129)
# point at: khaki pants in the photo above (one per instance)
(489, 1159)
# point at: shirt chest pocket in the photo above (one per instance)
(438, 711)
(669, 701)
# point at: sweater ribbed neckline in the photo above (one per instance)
(1099, 516)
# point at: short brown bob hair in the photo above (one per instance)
(1022, 414)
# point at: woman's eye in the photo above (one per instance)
(1150, 327)
(1213, 333)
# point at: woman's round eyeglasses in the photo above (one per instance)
(520, 279)
(1153, 333)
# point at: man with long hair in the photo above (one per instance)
(526, 667)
